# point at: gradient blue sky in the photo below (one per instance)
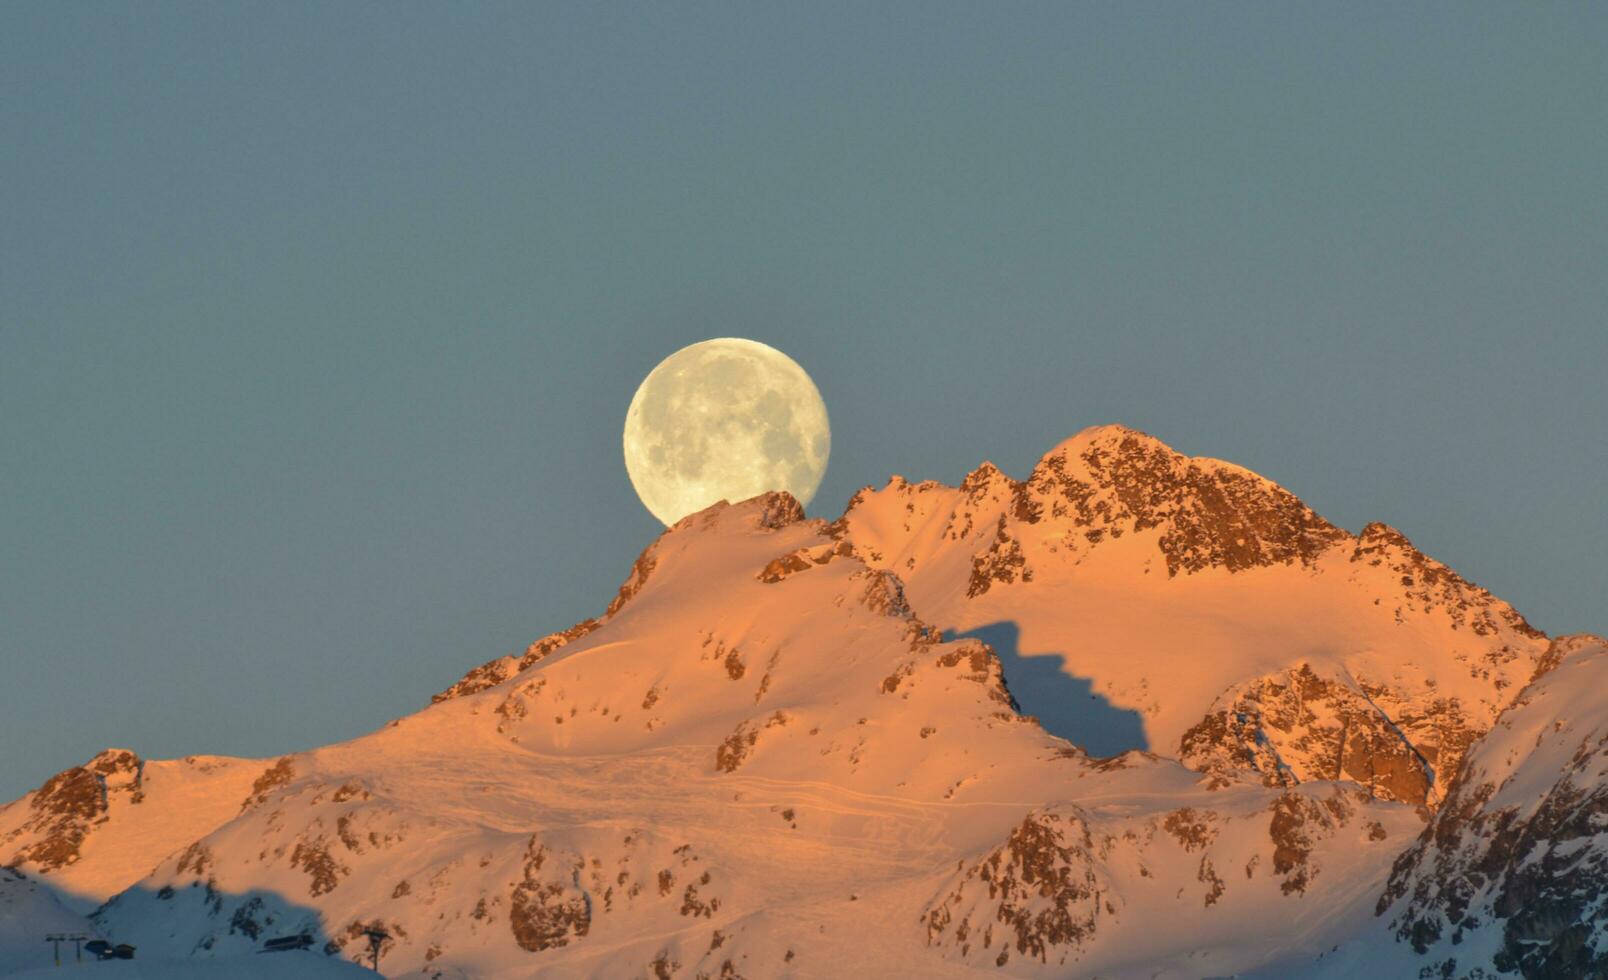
(318, 323)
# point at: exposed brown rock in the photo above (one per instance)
(780, 568)
(1207, 875)
(1040, 886)
(324, 871)
(803, 560)
(546, 914)
(694, 905)
(1194, 829)
(494, 672)
(891, 683)
(663, 966)
(489, 674)
(196, 859)
(983, 667)
(65, 809)
(740, 743)
(275, 776)
(547, 645)
(1003, 562)
(1211, 515)
(1536, 871)
(70, 805)
(779, 509)
(884, 593)
(1296, 824)
(640, 571)
(736, 747)
(1296, 727)
(349, 791)
(1429, 584)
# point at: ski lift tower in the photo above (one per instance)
(76, 938)
(376, 937)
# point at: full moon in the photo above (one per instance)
(724, 419)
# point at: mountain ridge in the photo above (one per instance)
(785, 747)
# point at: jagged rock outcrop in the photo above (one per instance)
(1427, 584)
(548, 912)
(1210, 514)
(1068, 877)
(68, 807)
(1039, 895)
(1512, 874)
(1296, 727)
(494, 672)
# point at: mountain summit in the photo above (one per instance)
(1004, 728)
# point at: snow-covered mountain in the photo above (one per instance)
(1212, 615)
(1137, 715)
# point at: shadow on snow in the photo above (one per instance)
(198, 923)
(1064, 704)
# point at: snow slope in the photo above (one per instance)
(30, 911)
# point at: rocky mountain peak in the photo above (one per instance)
(1102, 484)
(1113, 480)
(985, 476)
(1108, 434)
(114, 762)
(776, 509)
(1561, 647)
(1427, 584)
(772, 510)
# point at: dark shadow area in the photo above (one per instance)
(197, 922)
(1065, 705)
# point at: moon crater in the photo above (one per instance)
(724, 419)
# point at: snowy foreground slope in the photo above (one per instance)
(1262, 745)
(29, 911)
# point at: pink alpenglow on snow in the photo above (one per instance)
(1004, 728)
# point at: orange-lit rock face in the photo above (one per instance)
(1038, 896)
(1298, 727)
(64, 811)
(66, 808)
(1210, 515)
